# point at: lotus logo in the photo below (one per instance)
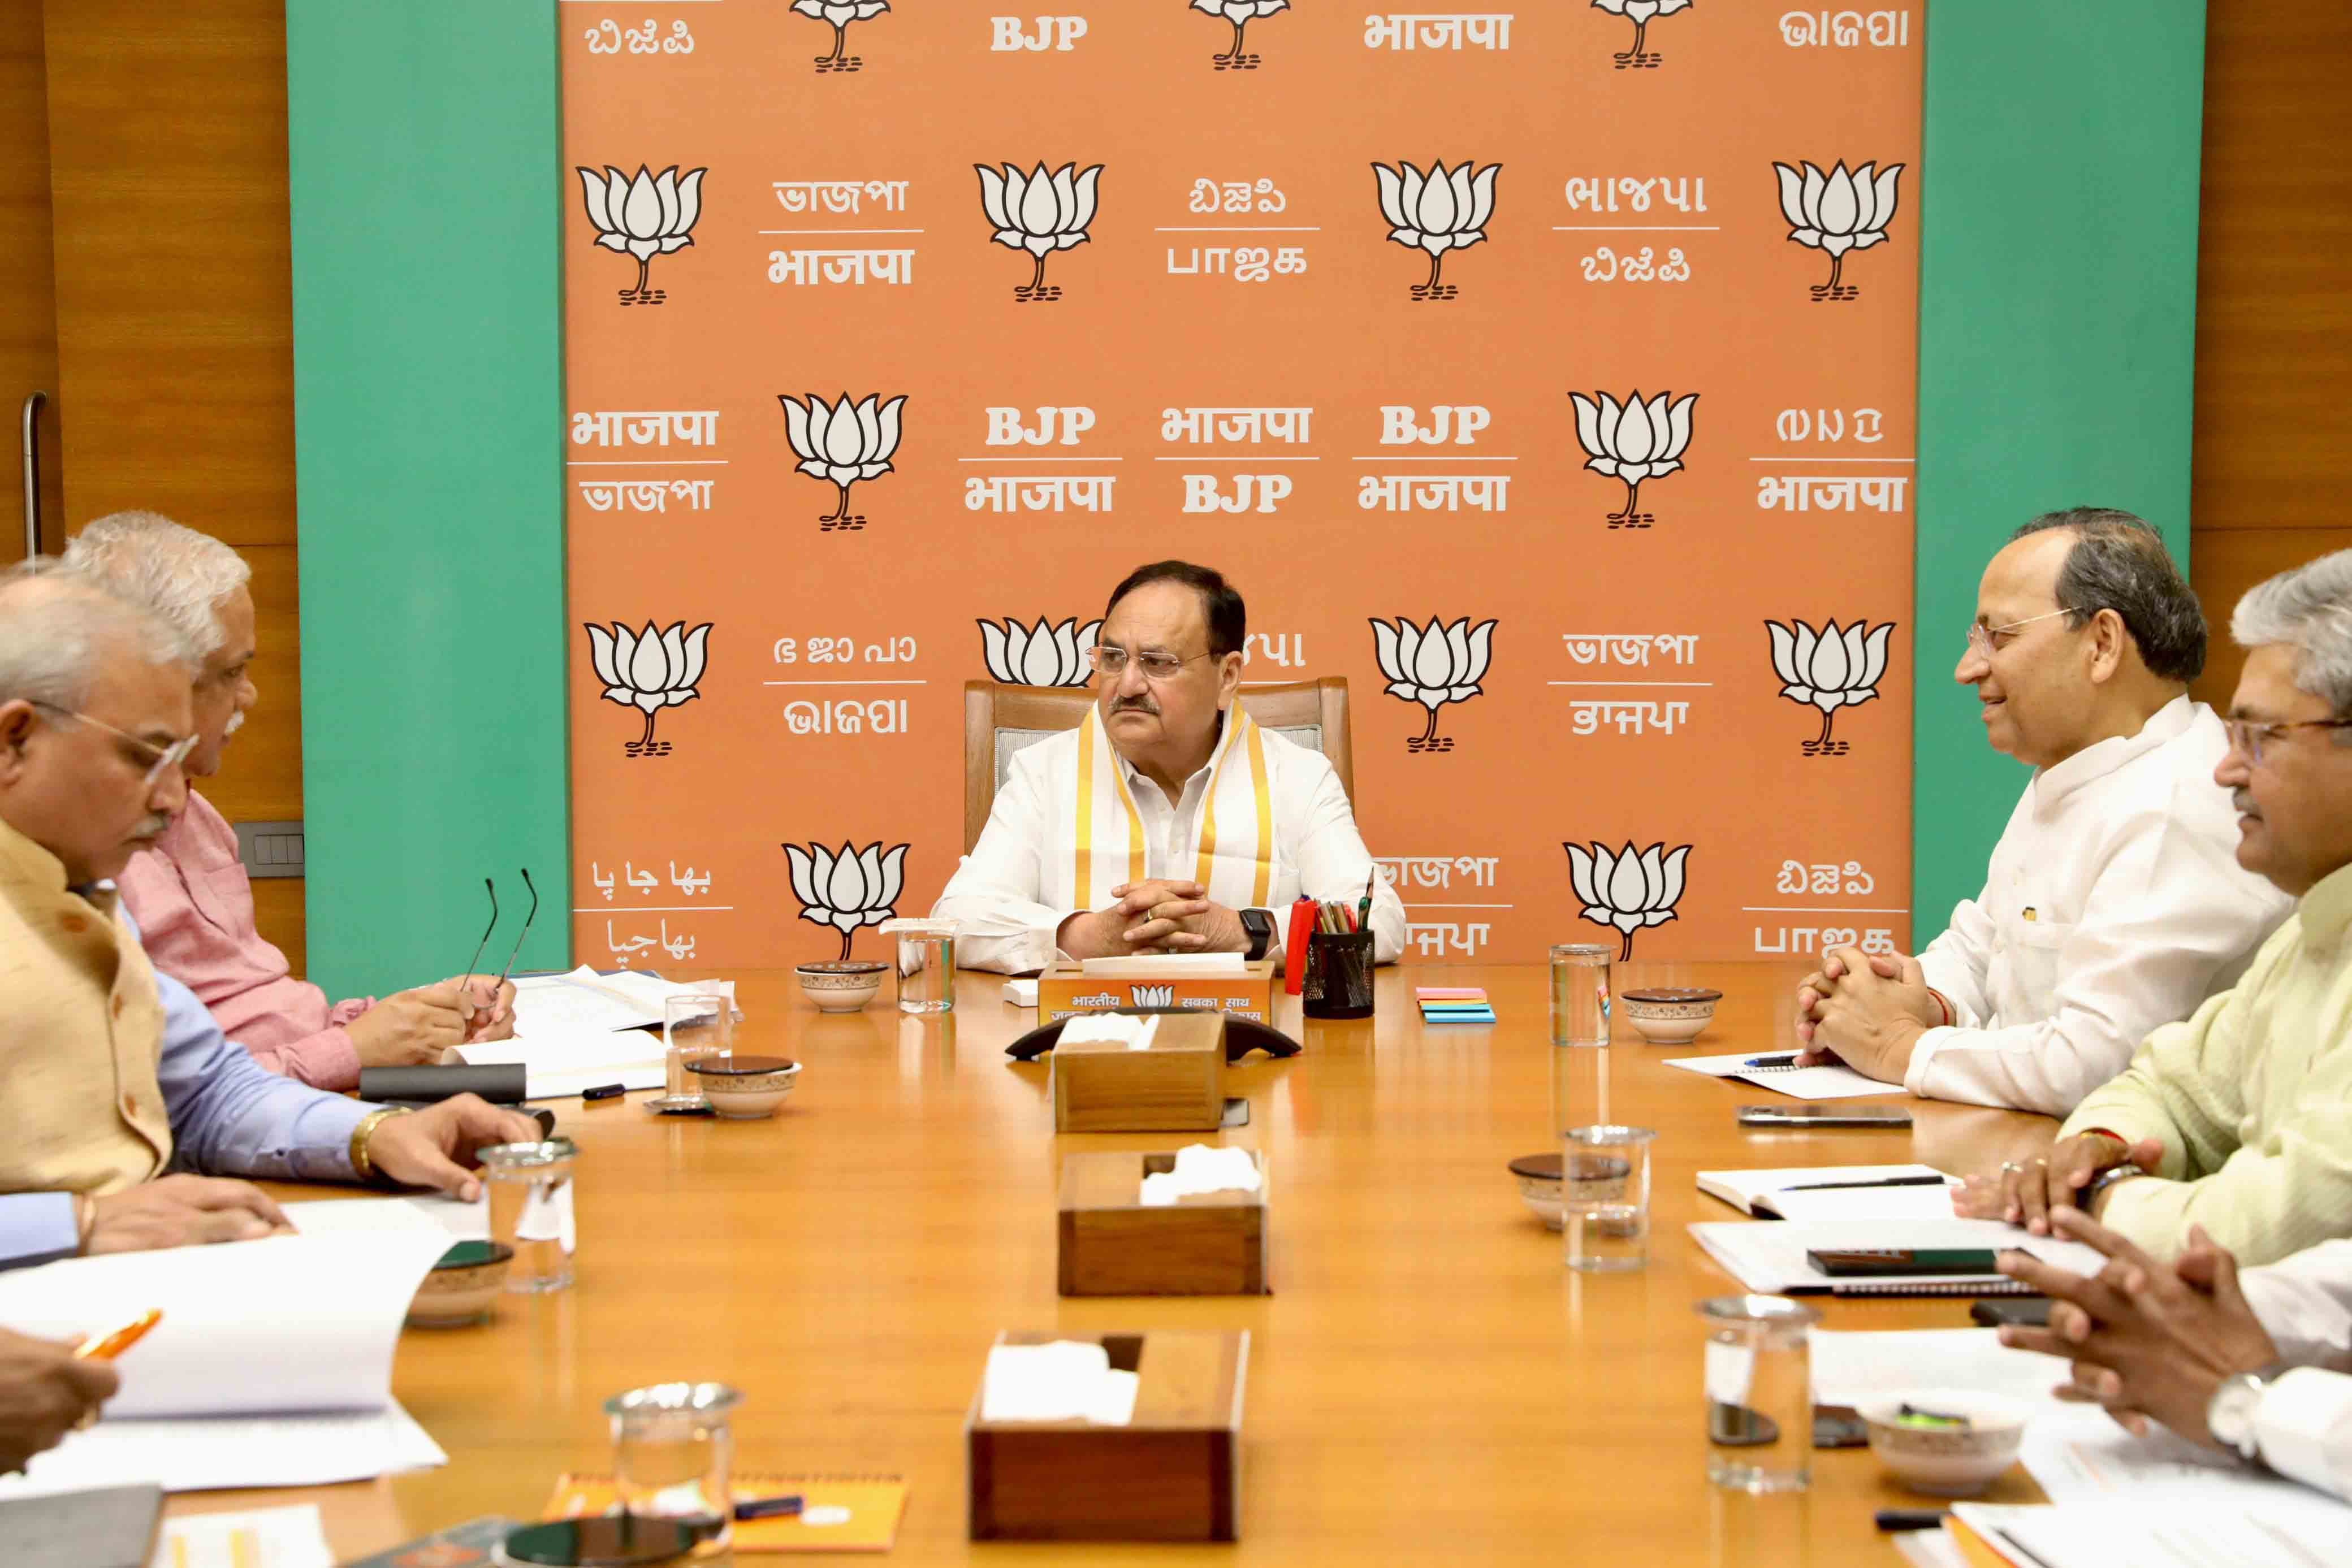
(1629, 890)
(643, 217)
(1038, 213)
(1155, 997)
(1039, 655)
(1639, 12)
(840, 12)
(648, 670)
(843, 444)
(1445, 210)
(1241, 14)
(1830, 669)
(847, 890)
(1432, 667)
(1633, 441)
(1837, 212)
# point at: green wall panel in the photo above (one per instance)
(2057, 336)
(428, 390)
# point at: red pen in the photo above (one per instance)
(1302, 926)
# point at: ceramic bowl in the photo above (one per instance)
(841, 986)
(463, 1286)
(1670, 1015)
(744, 1088)
(1947, 1461)
(1538, 1179)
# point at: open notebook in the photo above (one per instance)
(1770, 1258)
(1836, 1192)
(1831, 1083)
(272, 1365)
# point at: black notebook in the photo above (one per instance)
(108, 1527)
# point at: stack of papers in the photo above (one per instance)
(2244, 1532)
(1770, 1258)
(1852, 1369)
(1067, 1380)
(272, 1365)
(1771, 1072)
(1836, 1192)
(561, 1005)
(1453, 1004)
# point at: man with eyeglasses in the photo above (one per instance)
(189, 890)
(2239, 1119)
(1169, 821)
(114, 1076)
(2115, 902)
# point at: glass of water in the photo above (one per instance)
(926, 964)
(693, 1028)
(1760, 1393)
(1580, 994)
(674, 1458)
(1604, 1197)
(530, 1210)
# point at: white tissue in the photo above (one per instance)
(1020, 994)
(1067, 1380)
(1201, 1168)
(1128, 1029)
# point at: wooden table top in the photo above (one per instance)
(1427, 1383)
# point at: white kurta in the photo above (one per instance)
(1011, 894)
(2114, 903)
(2305, 1420)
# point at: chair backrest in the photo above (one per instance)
(999, 720)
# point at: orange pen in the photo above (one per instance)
(106, 1346)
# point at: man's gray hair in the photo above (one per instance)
(176, 572)
(57, 625)
(2309, 610)
(2119, 563)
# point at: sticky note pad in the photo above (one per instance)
(1449, 994)
(1480, 1015)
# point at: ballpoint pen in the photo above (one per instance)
(1788, 1059)
(114, 1341)
(1887, 1181)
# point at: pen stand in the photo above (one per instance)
(1109, 1244)
(1170, 1473)
(1176, 1085)
(1338, 983)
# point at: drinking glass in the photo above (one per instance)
(693, 1028)
(1580, 994)
(1760, 1393)
(926, 964)
(530, 1210)
(674, 1458)
(1604, 1197)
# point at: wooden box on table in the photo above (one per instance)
(1177, 1083)
(1110, 1244)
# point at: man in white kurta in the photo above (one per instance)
(1169, 821)
(2115, 902)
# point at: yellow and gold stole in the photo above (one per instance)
(1235, 860)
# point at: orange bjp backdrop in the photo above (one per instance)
(1546, 372)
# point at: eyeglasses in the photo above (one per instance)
(1156, 666)
(492, 888)
(1980, 635)
(2248, 736)
(166, 757)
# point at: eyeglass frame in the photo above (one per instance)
(1095, 656)
(2247, 736)
(1980, 635)
(166, 757)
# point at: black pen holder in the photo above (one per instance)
(1339, 979)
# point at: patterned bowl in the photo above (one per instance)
(463, 1286)
(744, 1088)
(1670, 1015)
(841, 986)
(1538, 1179)
(1947, 1461)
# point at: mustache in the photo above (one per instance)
(1135, 705)
(2243, 803)
(151, 826)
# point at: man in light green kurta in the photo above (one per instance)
(2240, 1119)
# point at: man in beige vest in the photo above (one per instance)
(112, 1077)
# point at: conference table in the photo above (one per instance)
(1426, 1382)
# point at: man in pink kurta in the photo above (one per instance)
(189, 895)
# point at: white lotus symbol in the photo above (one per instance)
(1445, 210)
(1432, 665)
(645, 217)
(840, 12)
(1241, 14)
(1039, 655)
(843, 444)
(1038, 213)
(848, 890)
(648, 670)
(1837, 212)
(1629, 890)
(1639, 12)
(1633, 441)
(1830, 669)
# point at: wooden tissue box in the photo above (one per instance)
(1209, 1244)
(1175, 1085)
(1172, 1473)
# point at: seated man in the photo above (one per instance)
(112, 1077)
(187, 891)
(2254, 1363)
(2240, 1119)
(2114, 904)
(1168, 821)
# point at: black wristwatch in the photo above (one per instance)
(1260, 926)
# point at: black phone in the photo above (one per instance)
(2030, 1312)
(1836, 1115)
(1876, 1262)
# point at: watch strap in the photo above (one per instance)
(1261, 933)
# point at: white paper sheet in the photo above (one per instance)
(1768, 1255)
(453, 1220)
(1897, 1203)
(2079, 1456)
(2248, 1529)
(1849, 1368)
(1798, 1083)
(245, 1537)
(1741, 1188)
(204, 1454)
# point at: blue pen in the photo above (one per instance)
(1789, 1059)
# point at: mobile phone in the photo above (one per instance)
(1870, 1262)
(2032, 1311)
(1836, 1115)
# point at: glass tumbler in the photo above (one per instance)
(1760, 1393)
(693, 1028)
(530, 1210)
(1604, 1197)
(674, 1458)
(926, 964)
(1580, 994)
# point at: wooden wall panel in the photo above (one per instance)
(167, 135)
(28, 319)
(2273, 446)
